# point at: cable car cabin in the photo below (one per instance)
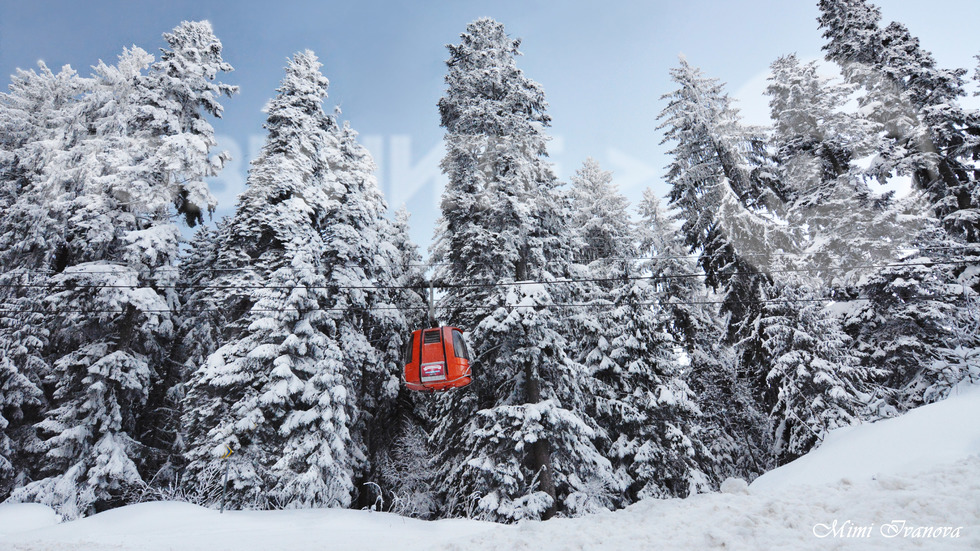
(437, 359)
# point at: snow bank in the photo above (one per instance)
(906, 483)
(21, 517)
(911, 482)
(800, 521)
(922, 439)
(168, 525)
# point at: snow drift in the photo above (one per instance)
(905, 483)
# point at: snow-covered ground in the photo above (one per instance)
(906, 483)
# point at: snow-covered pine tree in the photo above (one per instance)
(32, 126)
(408, 470)
(370, 259)
(820, 382)
(726, 208)
(181, 91)
(813, 136)
(40, 121)
(111, 300)
(728, 414)
(37, 115)
(603, 244)
(307, 366)
(907, 326)
(817, 374)
(712, 186)
(644, 408)
(277, 390)
(602, 230)
(18, 394)
(815, 143)
(199, 332)
(514, 444)
(929, 136)
(694, 316)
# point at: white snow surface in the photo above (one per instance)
(911, 482)
(24, 517)
(182, 526)
(936, 434)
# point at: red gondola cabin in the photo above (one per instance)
(437, 359)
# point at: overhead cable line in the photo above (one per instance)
(179, 269)
(442, 285)
(594, 304)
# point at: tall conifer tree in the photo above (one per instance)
(725, 208)
(514, 444)
(929, 136)
(277, 390)
(111, 301)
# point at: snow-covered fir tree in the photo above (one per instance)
(929, 136)
(640, 401)
(815, 140)
(820, 382)
(370, 260)
(726, 211)
(815, 144)
(32, 127)
(277, 390)
(202, 323)
(180, 92)
(603, 231)
(20, 399)
(304, 273)
(721, 201)
(603, 245)
(727, 410)
(514, 445)
(36, 117)
(40, 117)
(907, 326)
(644, 405)
(110, 305)
(816, 374)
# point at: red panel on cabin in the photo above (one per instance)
(437, 359)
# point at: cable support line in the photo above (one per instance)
(753, 255)
(432, 264)
(801, 253)
(604, 304)
(55, 287)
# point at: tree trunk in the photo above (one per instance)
(539, 453)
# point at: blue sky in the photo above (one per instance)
(603, 65)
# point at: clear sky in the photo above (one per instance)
(603, 65)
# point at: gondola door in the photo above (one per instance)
(437, 359)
